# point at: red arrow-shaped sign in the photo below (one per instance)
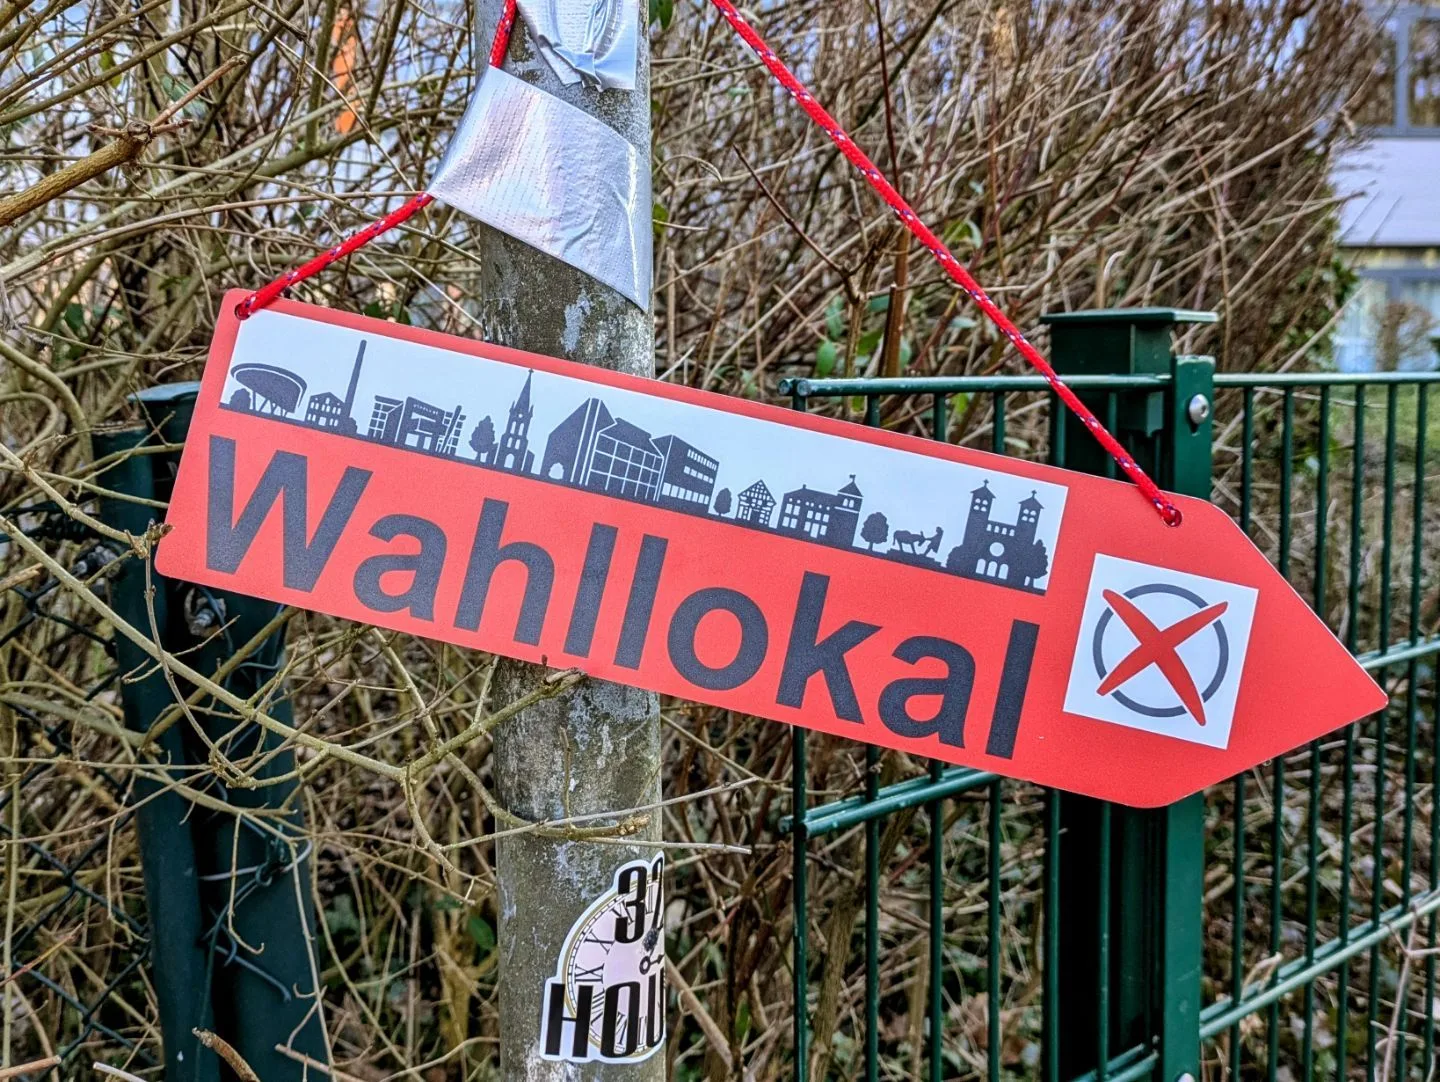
(1000, 614)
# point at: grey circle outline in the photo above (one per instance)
(1199, 603)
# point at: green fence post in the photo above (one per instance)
(1180, 828)
(1129, 918)
(162, 816)
(198, 862)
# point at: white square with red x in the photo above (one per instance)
(1161, 650)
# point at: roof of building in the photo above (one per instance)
(758, 491)
(622, 431)
(851, 489)
(983, 490)
(579, 413)
(812, 495)
(1031, 502)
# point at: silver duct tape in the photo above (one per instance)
(594, 40)
(554, 177)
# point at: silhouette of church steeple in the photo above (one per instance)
(515, 453)
(1030, 509)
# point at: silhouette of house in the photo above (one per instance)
(572, 443)
(416, 424)
(326, 410)
(687, 475)
(1000, 551)
(515, 454)
(625, 462)
(828, 517)
(755, 505)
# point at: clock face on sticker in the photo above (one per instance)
(614, 960)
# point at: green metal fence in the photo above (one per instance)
(74, 950)
(1281, 925)
(207, 926)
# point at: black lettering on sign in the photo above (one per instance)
(657, 896)
(948, 722)
(486, 556)
(618, 1037)
(641, 602)
(655, 1009)
(556, 1020)
(809, 655)
(424, 567)
(749, 656)
(1014, 678)
(286, 479)
(630, 922)
(593, 577)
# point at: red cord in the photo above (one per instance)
(263, 296)
(1168, 511)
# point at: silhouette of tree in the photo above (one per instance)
(1031, 563)
(1042, 560)
(240, 400)
(957, 563)
(875, 530)
(482, 440)
(722, 502)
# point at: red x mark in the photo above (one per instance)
(1159, 647)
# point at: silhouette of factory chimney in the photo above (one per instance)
(347, 423)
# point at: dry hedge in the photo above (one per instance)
(1075, 154)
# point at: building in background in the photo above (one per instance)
(385, 419)
(572, 443)
(687, 475)
(828, 517)
(755, 505)
(416, 424)
(625, 462)
(1390, 226)
(327, 410)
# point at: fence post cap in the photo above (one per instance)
(1132, 316)
(167, 392)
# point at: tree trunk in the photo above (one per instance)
(597, 748)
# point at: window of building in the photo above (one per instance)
(1424, 82)
(1391, 321)
(1378, 108)
(1404, 98)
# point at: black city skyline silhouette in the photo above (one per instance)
(594, 449)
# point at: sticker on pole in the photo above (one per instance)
(607, 999)
(953, 604)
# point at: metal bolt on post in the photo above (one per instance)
(596, 749)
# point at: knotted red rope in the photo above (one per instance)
(857, 157)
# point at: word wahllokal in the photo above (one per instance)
(547, 584)
(949, 603)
